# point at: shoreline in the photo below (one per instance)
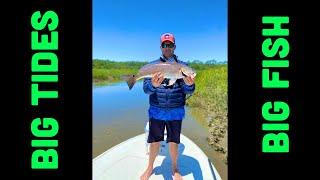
(209, 105)
(217, 131)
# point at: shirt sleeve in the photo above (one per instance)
(188, 89)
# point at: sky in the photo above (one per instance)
(127, 30)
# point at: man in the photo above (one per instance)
(166, 107)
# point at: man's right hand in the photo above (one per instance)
(157, 79)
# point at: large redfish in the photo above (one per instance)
(172, 71)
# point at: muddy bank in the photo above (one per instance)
(218, 137)
(217, 126)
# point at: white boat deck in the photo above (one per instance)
(128, 160)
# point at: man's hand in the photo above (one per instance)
(189, 80)
(157, 79)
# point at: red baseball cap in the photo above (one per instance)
(167, 37)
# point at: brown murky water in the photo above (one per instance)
(119, 114)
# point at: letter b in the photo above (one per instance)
(276, 146)
(42, 159)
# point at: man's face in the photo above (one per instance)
(167, 48)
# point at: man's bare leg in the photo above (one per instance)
(173, 148)
(154, 150)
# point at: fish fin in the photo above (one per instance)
(130, 79)
(172, 81)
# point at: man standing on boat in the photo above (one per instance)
(166, 107)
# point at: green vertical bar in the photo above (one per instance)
(275, 127)
(44, 143)
(44, 78)
(275, 63)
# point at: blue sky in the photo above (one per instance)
(125, 30)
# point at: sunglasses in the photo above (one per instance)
(171, 45)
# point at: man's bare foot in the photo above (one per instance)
(176, 174)
(146, 174)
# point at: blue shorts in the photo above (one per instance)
(156, 130)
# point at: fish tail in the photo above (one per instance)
(130, 79)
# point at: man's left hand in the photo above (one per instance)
(188, 80)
